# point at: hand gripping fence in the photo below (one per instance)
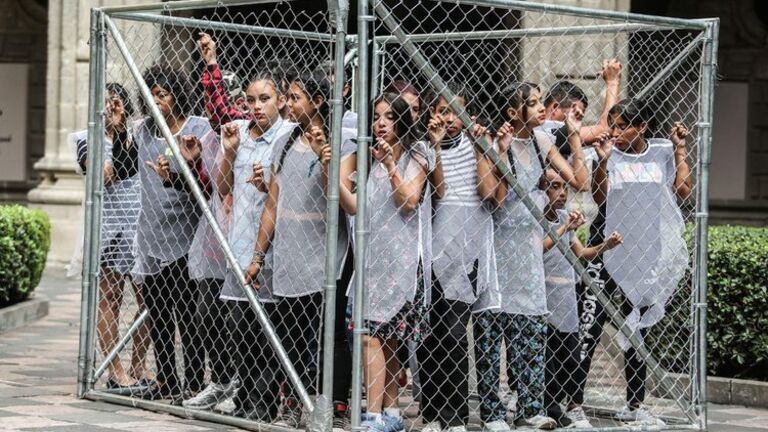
(169, 243)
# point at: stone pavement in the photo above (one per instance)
(38, 369)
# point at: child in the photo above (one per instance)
(521, 318)
(295, 216)
(167, 223)
(462, 234)
(564, 95)
(394, 299)
(120, 213)
(560, 279)
(247, 146)
(636, 184)
(208, 268)
(218, 100)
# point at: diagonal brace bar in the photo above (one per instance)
(671, 66)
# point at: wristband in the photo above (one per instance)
(258, 257)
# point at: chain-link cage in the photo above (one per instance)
(472, 214)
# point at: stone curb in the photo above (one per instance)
(23, 313)
(727, 391)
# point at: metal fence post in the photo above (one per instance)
(323, 407)
(361, 233)
(93, 191)
(708, 76)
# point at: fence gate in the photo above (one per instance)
(470, 213)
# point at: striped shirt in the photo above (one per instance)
(460, 172)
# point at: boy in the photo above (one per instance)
(560, 280)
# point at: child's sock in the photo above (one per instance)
(392, 412)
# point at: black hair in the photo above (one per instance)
(316, 83)
(124, 96)
(268, 74)
(404, 124)
(174, 81)
(565, 93)
(515, 95)
(400, 87)
(282, 71)
(633, 111)
(459, 89)
(328, 67)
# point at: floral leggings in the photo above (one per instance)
(526, 340)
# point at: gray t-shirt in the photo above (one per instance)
(248, 203)
(560, 279)
(642, 207)
(462, 228)
(169, 217)
(518, 239)
(299, 244)
(396, 245)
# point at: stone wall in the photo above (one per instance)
(23, 40)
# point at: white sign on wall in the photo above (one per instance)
(13, 122)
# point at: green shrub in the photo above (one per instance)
(737, 315)
(25, 237)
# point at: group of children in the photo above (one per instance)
(452, 248)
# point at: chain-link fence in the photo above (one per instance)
(468, 215)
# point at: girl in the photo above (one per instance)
(461, 266)
(247, 146)
(395, 300)
(167, 223)
(635, 184)
(295, 216)
(120, 214)
(560, 278)
(518, 313)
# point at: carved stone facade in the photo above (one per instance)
(58, 85)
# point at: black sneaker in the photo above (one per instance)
(161, 391)
(341, 420)
(290, 415)
(129, 390)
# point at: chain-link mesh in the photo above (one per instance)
(530, 211)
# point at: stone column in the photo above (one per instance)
(60, 192)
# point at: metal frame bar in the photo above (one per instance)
(678, 23)
(708, 78)
(323, 415)
(183, 5)
(671, 66)
(135, 326)
(266, 325)
(96, 395)
(223, 26)
(361, 233)
(94, 187)
(518, 33)
(613, 313)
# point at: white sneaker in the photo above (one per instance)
(461, 428)
(538, 421)
(641, 415)
(227, 406)
(497, 426)
(578, 418)
(210, 396)
(432, 426)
